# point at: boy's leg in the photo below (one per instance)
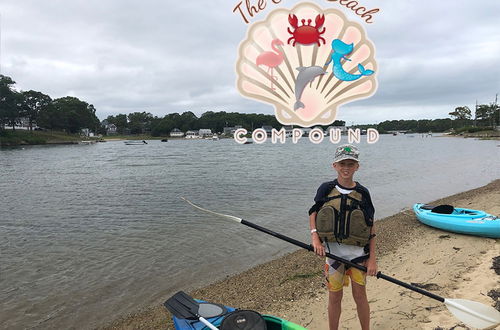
(362, 306)
(334, 309)
(335, 280)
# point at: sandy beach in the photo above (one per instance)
(447, 264)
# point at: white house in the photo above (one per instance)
(205, 132)
(230, 130)
(111, 129)
(268, 129)
(86, 132)
(176, 133)
(192, 135)
(22, 123)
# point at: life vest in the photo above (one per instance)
(343, 219)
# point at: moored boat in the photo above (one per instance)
(458, 220)
(135, 142)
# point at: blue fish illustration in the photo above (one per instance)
(340, 49)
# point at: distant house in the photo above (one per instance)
(86, 132)
(192, 135)
(230, 130)
(205, 132)
(343, 129)
(268, 129)
(176, 133)
(111, 129)
(288, 131)
(22, 123)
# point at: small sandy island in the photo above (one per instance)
(447, 264)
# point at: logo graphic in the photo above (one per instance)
(322, 65)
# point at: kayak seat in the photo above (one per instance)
(210, 310)
(443, 209)
(426, 207)
(243, 320)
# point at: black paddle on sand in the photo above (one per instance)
(471, 313)
(183, 306)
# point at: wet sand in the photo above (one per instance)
(447, 264)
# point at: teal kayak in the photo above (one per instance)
(459, 220)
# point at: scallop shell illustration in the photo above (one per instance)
(301, 79)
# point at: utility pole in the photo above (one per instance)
(496, 109)
(475, 114)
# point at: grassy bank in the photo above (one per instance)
(478, 133)
(14, 138)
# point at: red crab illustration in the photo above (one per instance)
(306, 34)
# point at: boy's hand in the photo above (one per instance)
(319, 249)
(371, 266)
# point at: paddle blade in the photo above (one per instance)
(474, 314)
(182, 306)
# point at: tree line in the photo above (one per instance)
(144, 122)
(71, 115)
(64, 114)
(485, 116)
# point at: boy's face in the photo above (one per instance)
(346, 168)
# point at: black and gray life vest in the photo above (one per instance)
(342, 219)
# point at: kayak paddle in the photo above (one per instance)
(183, 306)
(471, 313)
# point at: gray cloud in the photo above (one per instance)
(166, 56)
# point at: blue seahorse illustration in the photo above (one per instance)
(340, 49)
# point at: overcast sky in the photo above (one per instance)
(174, 56)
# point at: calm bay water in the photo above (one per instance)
(90, 232)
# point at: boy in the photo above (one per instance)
(341, 221)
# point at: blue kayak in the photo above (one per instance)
(458, 220)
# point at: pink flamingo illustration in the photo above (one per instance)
(271, 59)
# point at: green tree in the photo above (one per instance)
(10, 102)
(33, 103)
(461, 113)
(188, 121)
(69, 114)
(139, 122)
(487, 114)
(163, 127)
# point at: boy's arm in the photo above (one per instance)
(371, 263)
(319, 249)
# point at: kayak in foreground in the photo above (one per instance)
(458, 220)
(190, 314)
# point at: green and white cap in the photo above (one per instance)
(346, 151)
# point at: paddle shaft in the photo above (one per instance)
(342, 260)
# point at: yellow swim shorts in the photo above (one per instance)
(337, 276)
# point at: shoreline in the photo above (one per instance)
(292, 286)
(77, 140)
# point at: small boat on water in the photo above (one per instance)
(164, 140)
(458, 220)
(223, 317)
(87, 142)
(135, 142)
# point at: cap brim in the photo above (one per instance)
(344, 157)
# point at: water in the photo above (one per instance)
(91, 232)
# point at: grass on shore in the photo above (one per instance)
(23, 137)
(483, 135)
